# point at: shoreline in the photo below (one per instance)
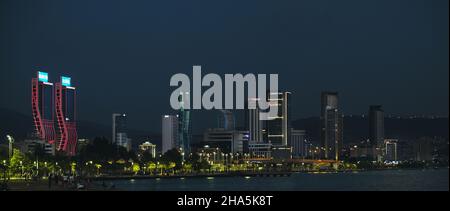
(242, 174)
(42, 185)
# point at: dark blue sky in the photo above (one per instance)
(121, 54)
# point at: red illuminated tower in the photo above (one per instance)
(42, 107)
(65, 96)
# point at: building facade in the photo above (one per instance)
(32, 145)
(184, 126)
(54, 106)
(148, 147)
(390, 150)
(229, 141)
(252, 121)
(331, 133)
(42, 104)
(277, 127)
(258, 150)
(281, 153)
(298, 143)
(169, 132)
(376, 127)
(65, 104)
(226, 120)
(119, 131)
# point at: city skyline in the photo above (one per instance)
(386, 42)
(243, 99)
(242, 115)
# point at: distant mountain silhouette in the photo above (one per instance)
(356, 128)
(21, 125)
(15, 123)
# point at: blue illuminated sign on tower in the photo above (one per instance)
(65, 81)
(43, 76)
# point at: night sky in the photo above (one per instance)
(121, 54)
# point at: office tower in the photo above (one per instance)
(390, 150)
(65, 104)
(297, 142)
(226, 120)
(119, 131)
(277, 127)
(184, 125)
(169, 132)
(252, 121)
(376, 126)
(331, 126)
(42, 103)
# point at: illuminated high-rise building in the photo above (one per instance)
(119, 128)
(184, 126)
(277, 126)
(331, 126)
(297, 142)
(169, 132)
(42, 105)
(390, 150)
(253, 122)
(65, 104)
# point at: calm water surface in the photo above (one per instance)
(391, 180)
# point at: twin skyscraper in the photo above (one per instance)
(54, 112)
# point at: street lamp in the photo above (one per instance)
(98, 168)
(10, 142)
(21, 168)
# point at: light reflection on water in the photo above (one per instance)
(417, 180)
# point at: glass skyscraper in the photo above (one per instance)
(119, 127)
(277, 127)
(184, 126)
(376, 125)
(331, 126)
(169, 132)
